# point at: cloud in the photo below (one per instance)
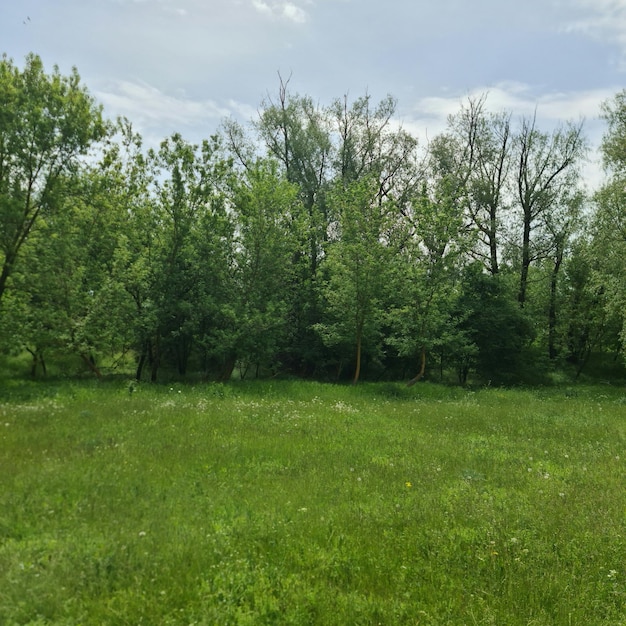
(156, 114)
(281, 10)
(428, 117)
(519, 99)
(604, 20)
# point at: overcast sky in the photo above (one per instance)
(183, 65)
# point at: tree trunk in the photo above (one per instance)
(357, 369)
(91, 364)
(156, 357)
(37, 355)
(227, 370)
(420, 374)
(7, 267)
(525, 260)
(493, 242)
(142, 361)
(552, 351)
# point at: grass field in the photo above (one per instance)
(303, 503)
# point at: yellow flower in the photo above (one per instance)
(408, 483)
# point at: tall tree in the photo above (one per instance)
(190, 184)
(428, 259)
(357, 264)
(484, 143)
(610, 222)
(296, 132)
(272, 231)
(47, 122)
(547, 170)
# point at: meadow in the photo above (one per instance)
(290, 502)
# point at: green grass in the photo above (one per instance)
(302, 503)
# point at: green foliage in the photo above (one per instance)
(356, 266)
(47, 121)
(327, 244)
(609, 226)
(494, 324)
(272, 234)
(302, 503)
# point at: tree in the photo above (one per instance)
(494, 324)
(561, 224)
(47, 122)
(296, 132)
(190, 190)
(271, 233)
(484, 144)
(547, 172)
(356, 267)
(433, 244)
(610, 221)
(587, 323)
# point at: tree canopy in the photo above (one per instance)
(321, 240)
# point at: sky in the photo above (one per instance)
(185, 65)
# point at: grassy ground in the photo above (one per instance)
(302, 503)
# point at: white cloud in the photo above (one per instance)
(604, 20)
(281, 10)
(520, 100)
(429, 115)
(156, 114)
(294, 13)
(262, 7)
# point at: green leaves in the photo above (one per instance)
(47, 122)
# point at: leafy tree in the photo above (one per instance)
(489, 317)
(66, 290)
(587, 324)
(297, 133)
(433, 244)
(272, 232)
(47, 122)
(189, 188)
(356, 266)
(547, 172)
(609, 227)
(484, 142)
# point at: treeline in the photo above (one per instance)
(320, 241)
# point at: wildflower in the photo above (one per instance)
(408, 484)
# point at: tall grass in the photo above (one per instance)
(302, 503)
